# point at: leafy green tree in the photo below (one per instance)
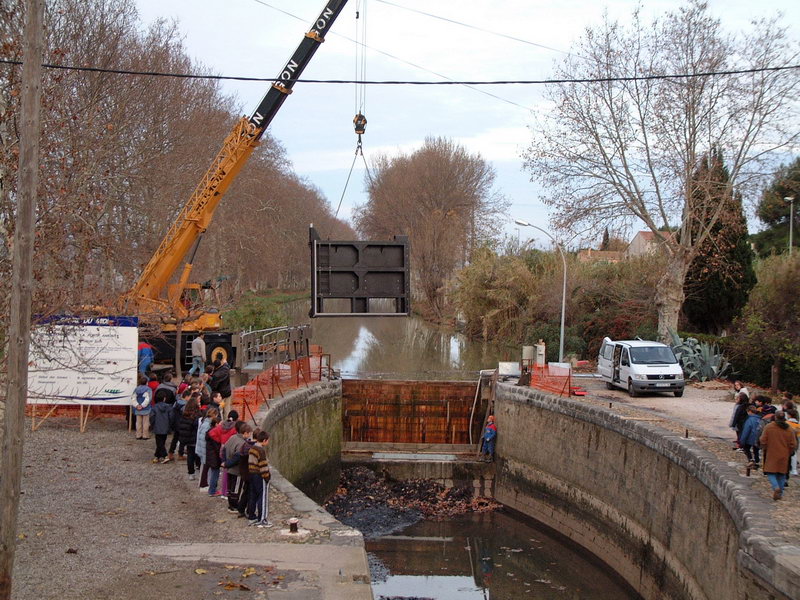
(770, 323)
(721, 275)
(773, 211)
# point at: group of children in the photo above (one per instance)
(231, 456)
(761, 426)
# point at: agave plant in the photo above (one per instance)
(700, 361)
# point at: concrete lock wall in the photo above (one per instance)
(669, 517)
(305, 428)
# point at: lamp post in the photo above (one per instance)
(564, 286)
(790, 200)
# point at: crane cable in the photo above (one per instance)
(359, 121)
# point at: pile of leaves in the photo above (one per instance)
(364, 499)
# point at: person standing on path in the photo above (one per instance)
(198, 354)
(231, 456)
(221, 382)
(489, 439)
(206, 422)
(213, 460)
(749, 436)
(180, 404)
(221, 434)
(778, 442)
(187, 433)
(162, 421)
(739, 417)
(259, 476)
(140, 401)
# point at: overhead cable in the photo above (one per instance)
(405, 82)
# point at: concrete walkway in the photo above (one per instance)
(308, 571)
(704, 407)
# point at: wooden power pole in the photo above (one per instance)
(19, 332)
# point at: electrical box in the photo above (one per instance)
(359, 278)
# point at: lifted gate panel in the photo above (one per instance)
(361, 272)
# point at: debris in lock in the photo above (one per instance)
(377, 506)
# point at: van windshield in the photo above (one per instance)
(653, 355)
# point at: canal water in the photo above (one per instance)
(399, 347)
(500, 555)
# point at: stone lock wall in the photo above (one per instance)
(305, 428)
(666, 515)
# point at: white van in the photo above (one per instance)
(640, 366)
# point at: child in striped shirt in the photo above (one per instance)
(258, 475)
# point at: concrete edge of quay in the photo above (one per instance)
(762, 551)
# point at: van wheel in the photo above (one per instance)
(631, 390)
(678, 393)
(609, 386)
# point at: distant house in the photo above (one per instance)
(644, 242)
(611, 256)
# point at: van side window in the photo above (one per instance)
(608, 351)
(626, 360)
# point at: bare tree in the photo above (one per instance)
(441, 197)
(624, 145)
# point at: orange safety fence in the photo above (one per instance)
(278, 380)
(551, 378)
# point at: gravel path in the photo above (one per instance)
(93, 502)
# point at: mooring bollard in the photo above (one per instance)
(293, 523)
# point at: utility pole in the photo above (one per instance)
(19, 333)
(790, 200)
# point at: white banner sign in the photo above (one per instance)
(76, 360)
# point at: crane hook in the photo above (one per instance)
(360, 123)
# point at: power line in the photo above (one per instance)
(406, 82)
(476, 28)
(484, 92)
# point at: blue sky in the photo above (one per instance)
(253, 38)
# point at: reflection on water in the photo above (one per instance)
(500, 555)
(398, 347)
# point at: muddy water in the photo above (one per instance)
(398, 347)
(500, 555)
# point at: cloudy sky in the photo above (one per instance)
(256, 37)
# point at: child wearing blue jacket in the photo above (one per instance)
(140, 401)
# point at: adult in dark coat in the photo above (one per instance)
(779, 443)
(221, 382)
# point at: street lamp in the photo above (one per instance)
(564, 287)
(790, 200)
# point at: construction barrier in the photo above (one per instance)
(550, 378)
(277, 380)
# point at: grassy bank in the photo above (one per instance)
(260, 310)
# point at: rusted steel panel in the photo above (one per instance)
(409, 411)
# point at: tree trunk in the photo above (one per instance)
(178, 342)
(670, 295)
(775, 375)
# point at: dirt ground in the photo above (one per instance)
(92, 504)
(704, 412)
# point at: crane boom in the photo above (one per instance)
(146, 296)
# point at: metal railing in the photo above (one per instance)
(264, 348)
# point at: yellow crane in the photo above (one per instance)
(166, 304)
